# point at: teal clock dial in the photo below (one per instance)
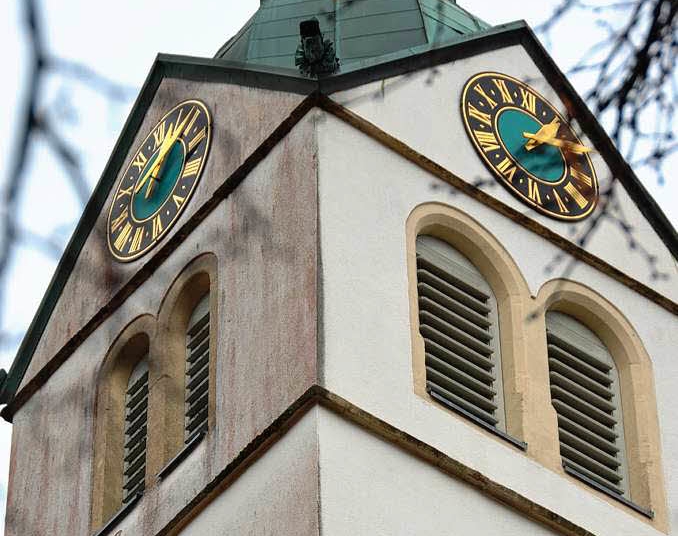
(529, 146)
(159, 180)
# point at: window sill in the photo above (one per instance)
(183, 453)
(495, 431)
(603, 489)
(118, 516)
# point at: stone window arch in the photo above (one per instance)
(644, 485)
(190, 299)
(127, 361)
(486, 262)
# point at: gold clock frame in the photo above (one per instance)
(139, 147)
(468, 86)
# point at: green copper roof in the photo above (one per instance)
(360, 29)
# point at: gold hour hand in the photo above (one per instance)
(546, 131)
(570, 146)
(167, 144)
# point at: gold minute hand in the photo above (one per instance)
(548, 130)
(165, 148)
(571, 146)
(152, 171)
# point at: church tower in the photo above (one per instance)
(355, 275)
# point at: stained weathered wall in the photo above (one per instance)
(242, 119)
(367, 192)
(264, 237)
(278, 494)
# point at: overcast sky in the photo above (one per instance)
(120, 40)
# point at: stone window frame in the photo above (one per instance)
(638, 396)
(509, 288)
(129, 348)
(530, 416)
(197, 278)
(165, 336)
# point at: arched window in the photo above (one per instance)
(197, 370)
(458, 321)
(187, 334)
(585, 394)
(136, 432)
(122, 452)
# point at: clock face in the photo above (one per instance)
(529, 146)
(159, 180)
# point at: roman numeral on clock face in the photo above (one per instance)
(507, 169)
(119, 220)
(487, 140)
(192, 167)
(582, 177)
(505, 93)
(490, 101)
(533, 191)
(157, 226)
(575, 194)
(159, 135)
(140, 161)
(123, 236)
(529, 101)
(480, 116)
(136, 240)
(197, 139)
(561, 206)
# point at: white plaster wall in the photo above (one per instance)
(277, 495)
(366, 194)
(369, 486)
(423, 110)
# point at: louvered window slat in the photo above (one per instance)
(578, 377)
(451, 288)
(452, 318)
(459, 335)
(197, 370)
(459, 390)
(588, 449)
(460, 376)
(136, 411)
(587, 435)
(582, 392)
(459, 362)
(578, 353)
(585, 395)
(195, 367)
(582, 405)
(593, 476)
(198, 392)
(457, 320)
(427, 291)
(455, 346)
(462, 403)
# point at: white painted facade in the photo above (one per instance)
(423, 110)
(367, 193)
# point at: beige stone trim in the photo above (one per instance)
(166, 418)
(530, 415)
(127, 350)
(636, 377)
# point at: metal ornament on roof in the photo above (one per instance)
(315, 56)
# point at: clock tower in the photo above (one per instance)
(355, 274)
